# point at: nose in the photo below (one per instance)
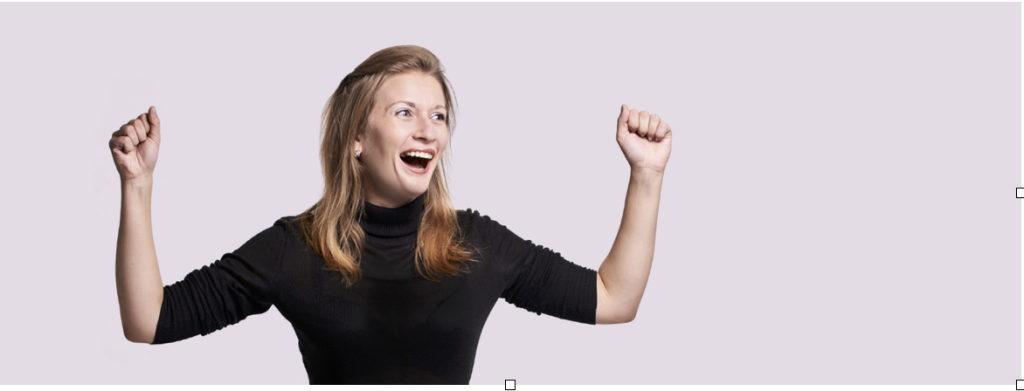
(426, 129)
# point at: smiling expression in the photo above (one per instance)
(408, 115)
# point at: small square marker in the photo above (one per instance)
(1020, 192)
(1020, 384)
(510, 384)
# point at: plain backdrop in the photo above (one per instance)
(836, 209)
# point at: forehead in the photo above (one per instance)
(415, 87)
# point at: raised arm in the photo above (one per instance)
(139, 289)
(622, 278)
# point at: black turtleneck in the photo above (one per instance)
(393, 326)
(390, 240)
(388, 223)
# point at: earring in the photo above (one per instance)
(358, 152)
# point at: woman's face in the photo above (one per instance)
(408, 115)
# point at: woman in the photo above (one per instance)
(382, 279)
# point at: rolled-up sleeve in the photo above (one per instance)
(540, 280)
(225, 292)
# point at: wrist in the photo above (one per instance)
(646, 173)
(140, 185)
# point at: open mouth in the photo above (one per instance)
(416, 160)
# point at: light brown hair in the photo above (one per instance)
(331, 225)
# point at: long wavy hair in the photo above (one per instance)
(331, 226)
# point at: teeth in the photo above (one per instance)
(423, 155)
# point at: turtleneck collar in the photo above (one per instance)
(392, 222)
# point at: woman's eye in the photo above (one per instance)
(439, 115)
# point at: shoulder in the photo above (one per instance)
(287, 224)
(286, 221)
(472, 221)
(286, 229)
(262, 250)
(483, 227)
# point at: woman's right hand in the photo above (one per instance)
(135, 146)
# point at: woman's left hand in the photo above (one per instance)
(644, 139)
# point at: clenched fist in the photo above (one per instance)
(645, 139)
(135, 146)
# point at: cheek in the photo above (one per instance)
(444, 141)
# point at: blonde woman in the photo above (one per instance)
(383, 280)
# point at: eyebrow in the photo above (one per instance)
(412, 104)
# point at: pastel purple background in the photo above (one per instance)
(836, 210)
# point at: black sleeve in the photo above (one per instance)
(225, 292)
(541, 280)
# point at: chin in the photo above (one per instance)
(417, 184)
(420, 189)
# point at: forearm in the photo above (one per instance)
(625, 270)
(139, 287)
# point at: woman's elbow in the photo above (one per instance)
(138, 337)
(629, 316)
